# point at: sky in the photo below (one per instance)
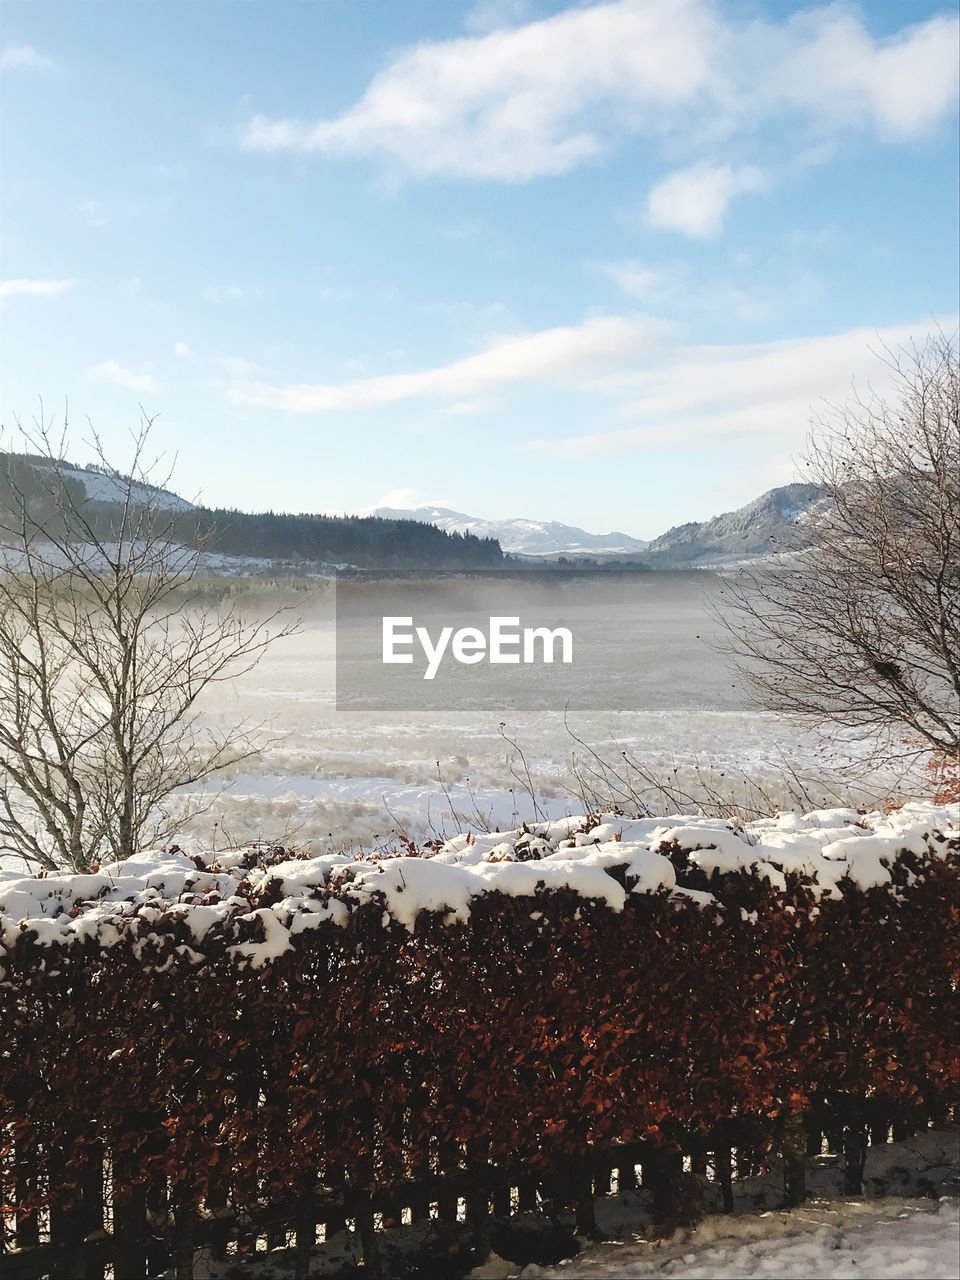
(597, 263)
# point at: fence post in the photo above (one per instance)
(448, 1161)
(723, 1164)
(368, 1238)
(66, 1213)
(667, 1173)
(527, 1195)
(854, 1155)
(27, 1230)
(129, 1220)
(306, 1229)
(184, 1220)
(334, 1174)
(478, 1202)
(793, 1144)
(217, 1200)
(501, 1194)
(627, 1174)
(91, 1205)
(583, 1191)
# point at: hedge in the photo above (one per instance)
(543, 1027)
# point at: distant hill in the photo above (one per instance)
(101, 487)
(425, 537)
(524, 537)
(273, 540)
(771, 522)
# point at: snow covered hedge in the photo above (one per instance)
(254, 1025)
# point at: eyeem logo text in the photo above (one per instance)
(503, 643)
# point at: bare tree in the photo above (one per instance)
(103, 657)
(859, 625)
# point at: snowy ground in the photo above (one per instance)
(349, 779)
(915, 1234)
(915, 1239)
(907, 1224)
(329, 780)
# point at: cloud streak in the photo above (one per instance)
(31, 288)
(698, 394)
(662, 391)
(560, 356)
(127, 379)
(24, 57)
(546, 96)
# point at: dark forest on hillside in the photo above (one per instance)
(366, 541)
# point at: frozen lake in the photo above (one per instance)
(357, 777)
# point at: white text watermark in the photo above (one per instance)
(503, 643)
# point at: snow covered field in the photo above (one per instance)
(351, 778)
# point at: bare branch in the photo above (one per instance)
(861, 628)
(104, 656)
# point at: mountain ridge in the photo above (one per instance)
(435, 536)
(769, 522)
(520, 535)
(774, 519)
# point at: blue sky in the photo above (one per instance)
(595, 263)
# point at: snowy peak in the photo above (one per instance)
(523, 537)
(771, 522)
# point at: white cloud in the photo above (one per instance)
(182, 350)
(645, 282)
(512, 104)
(33, 288)
(694, 201)
(902, 85)
(14, 57)
(761, 390)
(561, 355)
(462, 408)
(677, 289)
(398, 498)
(110, 371)
(544, 97)
(403, 499)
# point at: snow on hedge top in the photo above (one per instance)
(240, 895)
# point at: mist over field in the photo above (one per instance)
(346, 778)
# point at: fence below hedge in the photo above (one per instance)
(138, 1236)
(159, 1094)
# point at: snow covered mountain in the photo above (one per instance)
(104, 488)
(523, 537)
(771, 522)
(32, 472)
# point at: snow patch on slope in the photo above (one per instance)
(102, 488)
